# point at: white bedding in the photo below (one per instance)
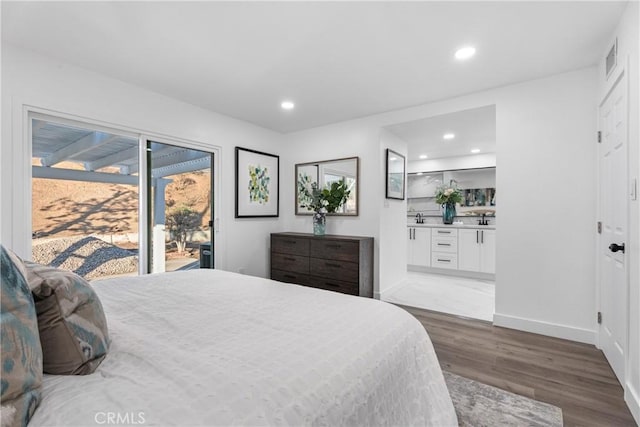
(209, 347)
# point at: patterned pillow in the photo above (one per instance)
(21, 352)
(73, 328)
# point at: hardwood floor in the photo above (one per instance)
(573, 376)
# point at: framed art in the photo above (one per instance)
(257, 184)
(394, 184)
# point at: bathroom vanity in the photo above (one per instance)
(468, 250)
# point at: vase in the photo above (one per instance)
(448, 213)
(319, 223)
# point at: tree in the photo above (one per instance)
(181, 221)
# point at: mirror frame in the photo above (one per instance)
(295, 183)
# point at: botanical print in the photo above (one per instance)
(258, 184)
(304, 189)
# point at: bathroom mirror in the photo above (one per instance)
(324, 173)
(478, 187)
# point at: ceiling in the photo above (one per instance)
(473, 129)
(336, 60)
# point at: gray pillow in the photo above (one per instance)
(72, 324)
(21, 351)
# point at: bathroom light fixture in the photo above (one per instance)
(423, 156)
(287, 105)
(475, 150)
(448, 136)
(465, 53)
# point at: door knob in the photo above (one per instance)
(614, 247)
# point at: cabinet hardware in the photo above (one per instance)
(482, 236)
(333, 285)
(443, 232)
(444, 260)
(334, 246)
(288, 276)
(477, 234)
(332, 265)
(444, 244)
(289, 259)
(290, 242)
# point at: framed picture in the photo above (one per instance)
(257, 184)
(395, 175)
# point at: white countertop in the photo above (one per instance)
(484, 227)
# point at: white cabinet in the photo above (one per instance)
(477, 250)
(444, 248)
(419, 246)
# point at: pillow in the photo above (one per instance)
(73, 328)
(21, 353)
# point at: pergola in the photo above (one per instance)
(114, 159)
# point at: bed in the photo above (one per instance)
(209, 347)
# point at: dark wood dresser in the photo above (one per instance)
(337, 263)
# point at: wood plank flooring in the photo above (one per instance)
(573, 376)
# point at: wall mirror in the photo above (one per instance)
(478, 187)
(324, 173)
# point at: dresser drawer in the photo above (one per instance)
(290, 245)
(334, 249)
(289, 277)
(444, 260)
(447, 244)
(292, 263)
(350, 288)
(337, 270)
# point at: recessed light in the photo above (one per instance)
(465, 53)
(419, 173)
(423, 156)
(448, 136)
(287, 105)
(475, 150)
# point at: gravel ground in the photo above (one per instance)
(88, 257)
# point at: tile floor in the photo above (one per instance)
(461, 296)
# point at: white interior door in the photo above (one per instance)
(613, 280)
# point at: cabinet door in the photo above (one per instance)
(469, 249)
(419, 249)
(488, 251)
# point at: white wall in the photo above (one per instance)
(34, 80)
(628, 36)
(393, 233)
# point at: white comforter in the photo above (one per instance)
(210, 347)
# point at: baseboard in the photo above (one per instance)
(632, 398)
(545, 328)
(381, 295)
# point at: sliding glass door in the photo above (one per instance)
(180, 192)
(108, 203)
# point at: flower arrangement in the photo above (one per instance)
(448, 194)
(327, 200)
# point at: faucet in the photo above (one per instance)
(483, 221)
(419, 219)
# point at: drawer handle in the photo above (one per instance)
(444, 260)
(333, 285)
(332, 265)
(444, 232)
(333, 246)
(291, 242)
(289, 259)
(289, 276)
(444, 244)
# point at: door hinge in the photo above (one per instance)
(599, 227)
(599, 317)
(599, 136)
